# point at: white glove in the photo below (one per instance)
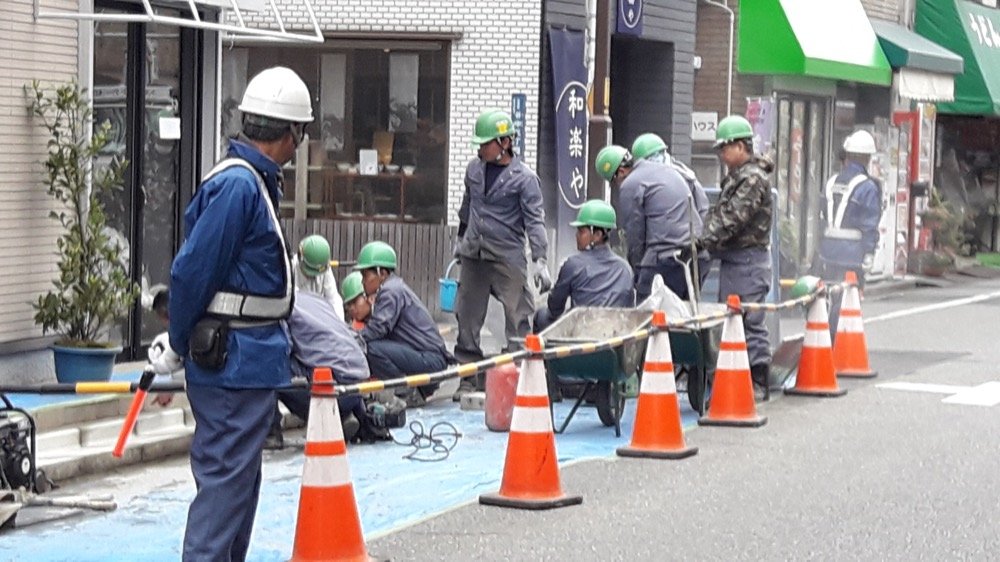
(541, 275)
(167, 361)
(867, 262)
(159, 345)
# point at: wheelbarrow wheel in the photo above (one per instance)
(610, 403)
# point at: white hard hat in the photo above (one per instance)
(860, 142)
(278, 92)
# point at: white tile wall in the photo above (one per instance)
(497, 55)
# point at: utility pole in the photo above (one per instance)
(599, 125)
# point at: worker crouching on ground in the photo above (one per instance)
(594, 277)
(401, 336)
(356, 303)
(738, 234)
(312, 271)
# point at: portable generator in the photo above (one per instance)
(17, 448)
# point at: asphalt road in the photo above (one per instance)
(877, 474)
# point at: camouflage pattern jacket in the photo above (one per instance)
(742, 217)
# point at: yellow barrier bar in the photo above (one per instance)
(370, 386)
(467, 369)
(103, 387)
(418, 380)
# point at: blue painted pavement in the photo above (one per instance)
(391, 492)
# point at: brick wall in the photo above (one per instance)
(712, 45)
(497, 55)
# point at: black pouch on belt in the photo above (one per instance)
(208, 343)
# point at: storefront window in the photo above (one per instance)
(378, 148)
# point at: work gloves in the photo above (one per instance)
(540, 273)
(162, 358)
(867, 262)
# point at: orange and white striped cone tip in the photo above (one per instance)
(815, 376)
(328, 525)
(850, 350)
(531, 470)
(658, 432)
(732, 402)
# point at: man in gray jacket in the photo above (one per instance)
(653, 203)
(502, 205)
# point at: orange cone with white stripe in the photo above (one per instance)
(658, 433)
(816, 376)
(531, 471)
(328, 525)
(850, 350)
(732, 402)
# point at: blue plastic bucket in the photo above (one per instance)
(448, 289)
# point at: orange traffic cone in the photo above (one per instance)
(531, 471)
(732, 401)
(328, 525)
(658, 433)
(850, 350)
(816, 376)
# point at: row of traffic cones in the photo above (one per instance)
(329, 528)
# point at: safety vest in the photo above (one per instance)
(838, 196)
(254, 307)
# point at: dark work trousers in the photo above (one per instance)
(297, 401)
(230, 427)
(673, 276)
(478, 280)
(389, 359)
(543, 319)
(833, 274)
(747, 273)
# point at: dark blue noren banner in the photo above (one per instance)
(629, 17)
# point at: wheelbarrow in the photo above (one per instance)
(602, 373)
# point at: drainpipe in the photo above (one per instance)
(732, 26)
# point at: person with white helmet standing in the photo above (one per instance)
(850, 210)
(231, 288)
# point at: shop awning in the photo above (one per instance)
(231, 24)
(808, 38)
(973, 32)
(925, 70)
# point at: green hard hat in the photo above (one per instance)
(609, 159)
(376, 254)
(596, 213)
(647, 144)
(732, 128)
(804, 286)
(492, 124)
(315, 253)
(351, 288)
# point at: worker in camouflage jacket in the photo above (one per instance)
(737, 232)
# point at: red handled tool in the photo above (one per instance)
(133, 411)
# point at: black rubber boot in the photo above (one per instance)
(761, 375)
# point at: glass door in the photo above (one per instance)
(138, 75)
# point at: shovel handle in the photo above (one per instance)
(133, 411)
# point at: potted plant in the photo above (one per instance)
(92, 289)
(947, 239)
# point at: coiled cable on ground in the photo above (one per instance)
(430, 446)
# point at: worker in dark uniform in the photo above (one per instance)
(656, 216)
(231, 287)
(401, 336)
(594, 277)
(738, 234)
(650, 146)
(357, 304)
(501, 207)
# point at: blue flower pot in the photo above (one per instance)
(83, 364)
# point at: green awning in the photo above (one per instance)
(904, 48)
(973, 32)
(822, 39)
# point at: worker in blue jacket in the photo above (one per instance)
(401, 336)
(850, 209)
(231, 287)
(594, 277)
(501, 207)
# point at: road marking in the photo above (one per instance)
(932, 307)
(986, 394)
